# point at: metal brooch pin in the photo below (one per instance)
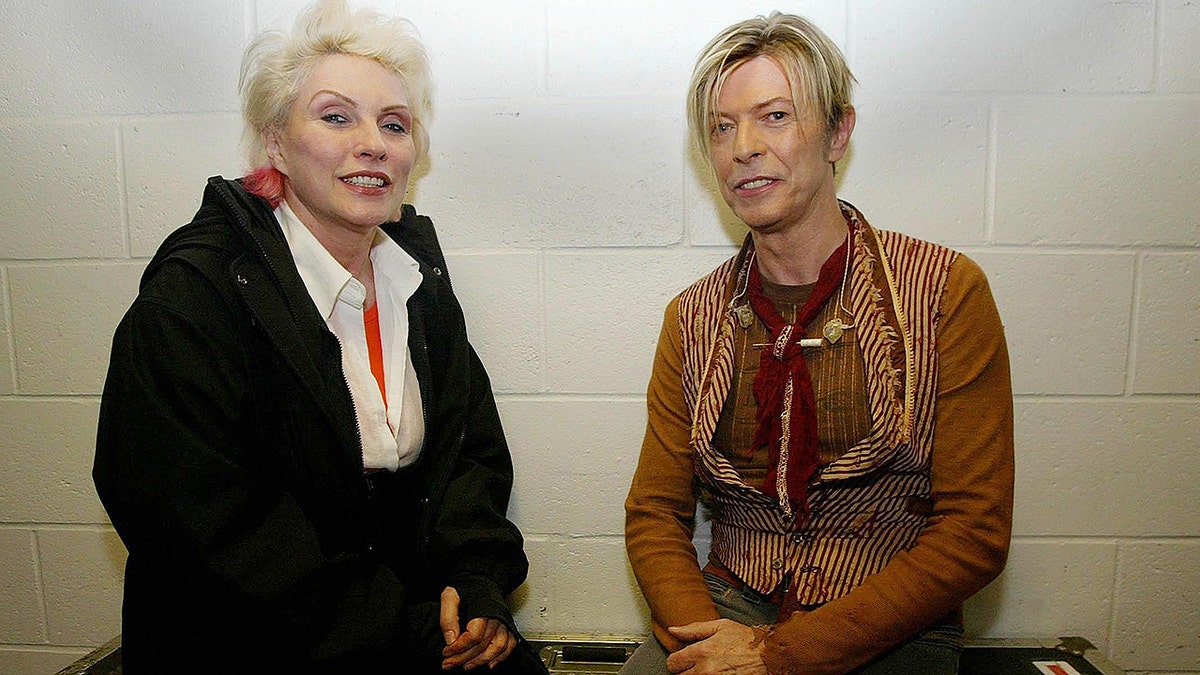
(803, 342)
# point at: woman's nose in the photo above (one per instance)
(371, 143)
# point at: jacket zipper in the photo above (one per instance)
(262, 253)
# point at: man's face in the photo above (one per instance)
(772, 163)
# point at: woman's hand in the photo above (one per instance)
(484, 642)
(721, 646)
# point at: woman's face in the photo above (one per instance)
(347, 147)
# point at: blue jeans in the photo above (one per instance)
(932, 652)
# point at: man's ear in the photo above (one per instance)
(274, 151)
(839, 139)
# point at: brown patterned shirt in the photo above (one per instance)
(836, 370)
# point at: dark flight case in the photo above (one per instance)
(591, 655)
(586, 655)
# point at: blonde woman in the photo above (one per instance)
(297, 443)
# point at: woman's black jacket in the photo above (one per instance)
(229, 461)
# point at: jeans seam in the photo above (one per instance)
(717, 587)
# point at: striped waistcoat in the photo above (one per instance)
(870, 503)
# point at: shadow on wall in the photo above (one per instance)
(982, 610)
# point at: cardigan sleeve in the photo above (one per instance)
(661, 507)
(965, 544)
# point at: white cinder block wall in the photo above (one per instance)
(1057, 143)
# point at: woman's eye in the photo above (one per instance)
(777, 116)
(334, 118)
(395, 127)
(721, 127)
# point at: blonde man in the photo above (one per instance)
(838, 395)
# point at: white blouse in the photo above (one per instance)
(391, 435)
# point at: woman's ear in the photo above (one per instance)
(274, 150)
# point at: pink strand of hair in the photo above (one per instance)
(267, 182)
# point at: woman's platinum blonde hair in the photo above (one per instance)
(276, 64)
(817, 73)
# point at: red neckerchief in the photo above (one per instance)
(783, 390)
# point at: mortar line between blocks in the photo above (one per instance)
(250, 17)
(546, 50)
(123, 192)
(544, 344)
(10, 340)
(1111, 623)
(1160, 31)
(1135, 300)
(39, 585)
(989, 172)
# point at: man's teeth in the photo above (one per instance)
(364, 181)
(755, 184)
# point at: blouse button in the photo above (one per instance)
(777, 564)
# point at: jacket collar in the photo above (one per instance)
(266, 277)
